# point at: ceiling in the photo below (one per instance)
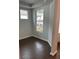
(32, 1)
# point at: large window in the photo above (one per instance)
(39, 20)
(23, 14)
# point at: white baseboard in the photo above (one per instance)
(36, 37)
(41, 38)
(53, 53)
(49, 43)
(24, 37)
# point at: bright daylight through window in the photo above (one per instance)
(39, 20)
(23, 14)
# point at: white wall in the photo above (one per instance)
(51, 18)
(44, 34)
(24, 29)
(48, 22)
(25, 26)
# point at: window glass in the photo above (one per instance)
(39, 20)
(23, 14)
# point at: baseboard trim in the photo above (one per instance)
(40, 38)
(36, 37)
(49, 43)
(25, 37)
(54, 53)
(43, 40)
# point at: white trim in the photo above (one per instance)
(49, 43)
(37, 37)
(24, 37)
(53, 53)
(41, 38)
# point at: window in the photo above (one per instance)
(23, 14)
(39, 20)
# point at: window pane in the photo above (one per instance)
(23, 14)
(40, 15)
(24, 17)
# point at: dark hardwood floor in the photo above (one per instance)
(34, 48)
